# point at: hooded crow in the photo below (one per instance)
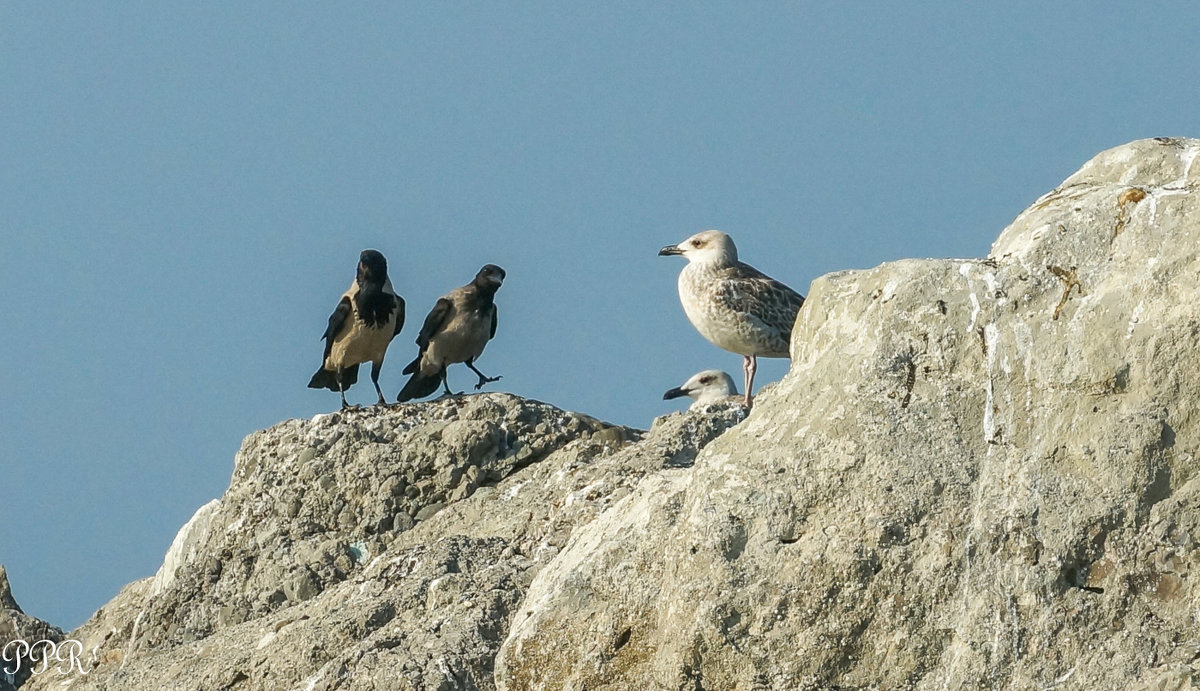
(732, 304)
(367, 317)
(456, 330)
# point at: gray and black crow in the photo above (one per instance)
(456, 330)
(367, 317)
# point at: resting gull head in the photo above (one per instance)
(705, 387)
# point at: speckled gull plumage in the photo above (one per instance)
(732, 304)
(739, 308)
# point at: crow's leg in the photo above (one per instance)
(446, 384)
(483, 378)
(375, 368)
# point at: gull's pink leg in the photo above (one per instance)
(749, 367)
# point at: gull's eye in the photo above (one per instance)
(697, 243)
(706, 380)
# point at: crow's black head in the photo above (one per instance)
(372, 267)
(490, 276)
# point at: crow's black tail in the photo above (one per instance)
(419, 385)
(412, 366)
(327, 378)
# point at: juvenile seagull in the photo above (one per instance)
(732, 304)
(367, 317)
(709, 386)
(456, 330)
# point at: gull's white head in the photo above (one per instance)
(708, 247)
(705, 387)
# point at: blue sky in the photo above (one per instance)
(186, 189)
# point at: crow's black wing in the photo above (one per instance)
(337, 320)
(399, 316)
(433, 322)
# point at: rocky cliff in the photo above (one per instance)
(375, 548)
(977, 474)
(18, 663)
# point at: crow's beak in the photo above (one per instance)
(674, 393)
(669, 250)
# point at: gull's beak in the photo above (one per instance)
(669, 250)
(675, 392)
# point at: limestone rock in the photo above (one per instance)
(977, 474)
(421, 605)
(21, 636)
(6, 596)
(185, 547)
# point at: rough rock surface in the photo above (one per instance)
(977, 474)
(17, 662)
(375, 549)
